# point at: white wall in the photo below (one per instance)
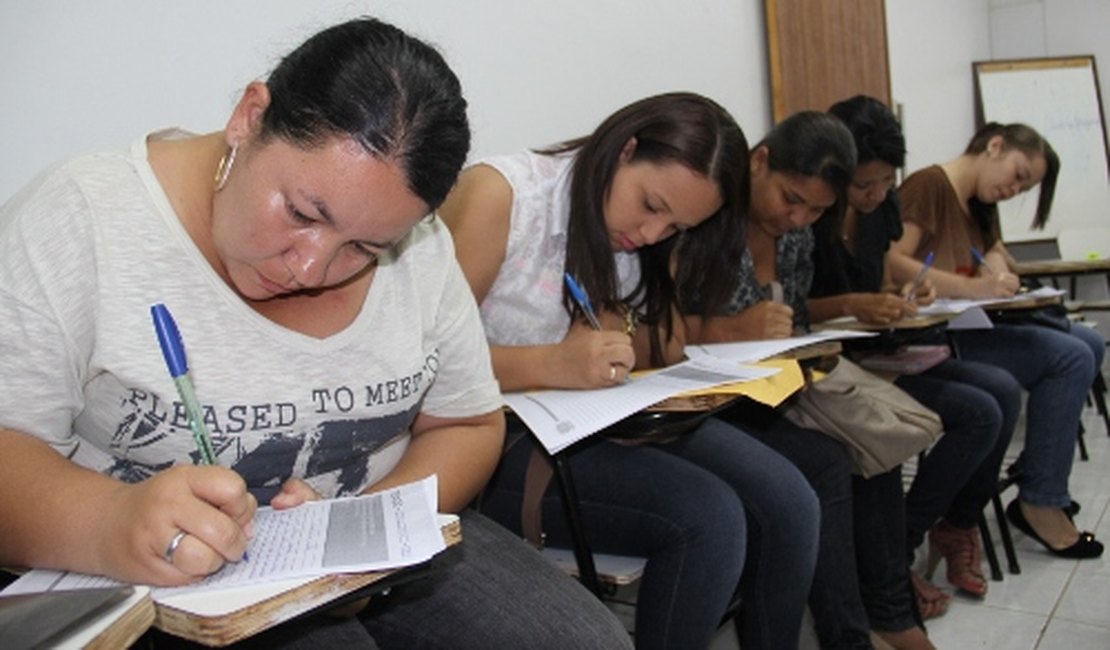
(931, 47)
(81, 76)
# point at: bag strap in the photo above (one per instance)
(537, 477)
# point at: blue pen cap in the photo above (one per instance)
(576, 291)
(170, 340)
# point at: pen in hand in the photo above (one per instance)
(981, 260)
(174, 352)
(912, 295)
(583, 300)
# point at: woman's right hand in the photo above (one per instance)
(880, 308)
(589, 358)
(766, 320)
(759, 322)
(995, 285)
(210, 505)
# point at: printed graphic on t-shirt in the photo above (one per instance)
(327, 434)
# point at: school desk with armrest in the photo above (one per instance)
(1054, 270)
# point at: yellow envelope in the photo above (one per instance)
(771, 391)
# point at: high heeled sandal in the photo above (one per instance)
(1084, 548)
(963, 557)
(931, 602)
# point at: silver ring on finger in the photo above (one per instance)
(174, 543)
(612, 373)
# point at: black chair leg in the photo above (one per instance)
(1004, 534)
(587, 571)
(1082, 444)
(1098, 394)
(988, 549)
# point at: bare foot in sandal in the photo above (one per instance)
(931, 602)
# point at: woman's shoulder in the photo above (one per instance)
(428, 243)
(926, 178)
(529, 171)
(66, 197)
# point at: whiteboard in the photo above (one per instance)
(1059, 98)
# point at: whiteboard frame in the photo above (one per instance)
(1015, 228)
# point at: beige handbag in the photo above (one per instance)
(880, 424)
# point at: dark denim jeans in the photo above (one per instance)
(880, 535)
(1057, 369)
(979, 405)
(839, 617)
(704, 510)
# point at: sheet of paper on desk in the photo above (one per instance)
(960, 305)
(559, 418)
(389, 529)
(752, 351)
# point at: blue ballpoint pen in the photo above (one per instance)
(583, 300)
(981, 260)
(174, 351)
(912, 296)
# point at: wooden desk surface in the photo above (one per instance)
(1062, 267)
(1019, 304)
(916, 323)
(812, 351)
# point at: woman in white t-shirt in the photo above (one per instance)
(333, 342)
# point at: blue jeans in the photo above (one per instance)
(1056, 368)
(839, 617)
(880, 536)
(704, 510)
(1094, 341)
(490, 591)
(979, 405)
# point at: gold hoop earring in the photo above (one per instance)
(224, 168)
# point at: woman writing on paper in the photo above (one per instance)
(333, 342)
(659, 175)
(977, 402)
(801, 170)
(951, 208)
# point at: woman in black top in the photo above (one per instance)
(978, 403)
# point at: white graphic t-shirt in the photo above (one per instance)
(93, 243)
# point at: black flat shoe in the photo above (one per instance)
(1086, 547)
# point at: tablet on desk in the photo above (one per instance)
(49, 618)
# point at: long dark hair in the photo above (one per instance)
(877, 135)
(683, 128)
(813, 144)
(875, 131)
(1026, 140)
(392, 93)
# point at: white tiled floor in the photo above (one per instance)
(1054, 603)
